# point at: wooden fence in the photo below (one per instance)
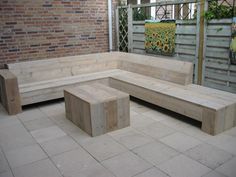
(217, 72)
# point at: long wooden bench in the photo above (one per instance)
(216, 111)
(167, 83)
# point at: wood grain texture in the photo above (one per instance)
(215, 109)
(9, 92)
(97, 109)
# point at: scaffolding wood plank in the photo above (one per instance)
(97, 109)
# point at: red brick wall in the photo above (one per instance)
(39, 29)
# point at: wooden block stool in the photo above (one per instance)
(97, 108)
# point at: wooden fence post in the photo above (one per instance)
(117, 30)
(130, 29)
(201, 22)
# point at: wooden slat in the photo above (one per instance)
(217, 52)
(138, 45)
(138, 29)
(138, 37)
(9, 92)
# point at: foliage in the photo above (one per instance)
(139, 14)
(216, 11)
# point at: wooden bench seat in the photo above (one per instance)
(52, 89)
(215, 113)
(166, 83)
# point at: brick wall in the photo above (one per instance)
(39, 29)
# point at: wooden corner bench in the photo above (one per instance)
(166, 83)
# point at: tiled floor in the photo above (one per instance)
(41, 142)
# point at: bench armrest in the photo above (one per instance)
(9, 92)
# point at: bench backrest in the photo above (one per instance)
(34, 71)
(170, 70)
(161, 68)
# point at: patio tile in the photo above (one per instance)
(225, 142)
(214, 174)
(133, 113)
(42, 168)
(196, 132)
(95, 170)
(31, 114)
(228, 168)
(153, 172)
(180, 141)
(231, 132)
(157, 130)
(3, 163)
(6, 174)
(155, 152)
(171, 122)
(25, 155)
(14, 136)
(209, 155)
(182, 166)
(102, 147)
(67, 126)
(77, 159)
(130, 138)
(80, 136)
(47, 134)
(53, 109)
(7, 121)
(59, 145)
(140, 121)
(158, 116)
(38, 124)
(140, 109)
(126, 165)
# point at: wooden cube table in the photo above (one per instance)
(97, 108)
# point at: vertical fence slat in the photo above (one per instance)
(130, 29)
(117, 30)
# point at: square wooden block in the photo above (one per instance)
(97, 109)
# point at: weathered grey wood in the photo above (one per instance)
(9, 92)
(97, 109)
(130, 29)
(160, 81)
(215, 109)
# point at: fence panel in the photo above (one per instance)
(217, 70)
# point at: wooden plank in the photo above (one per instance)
(138, 37)
(138, 45)
(219, 86)
(218, 32)
(138, 29)
(222, 21)
(216, 76)
(104, 115)
(218, 43)
(186, 22)
(139, 51)
(130, 29)
(189, 105)
(138, 22)
(183, 41)
(217, 52)
(185, 51)
(187, 31)
(9, 92)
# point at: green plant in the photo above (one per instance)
(139, 14)
(216, 11)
